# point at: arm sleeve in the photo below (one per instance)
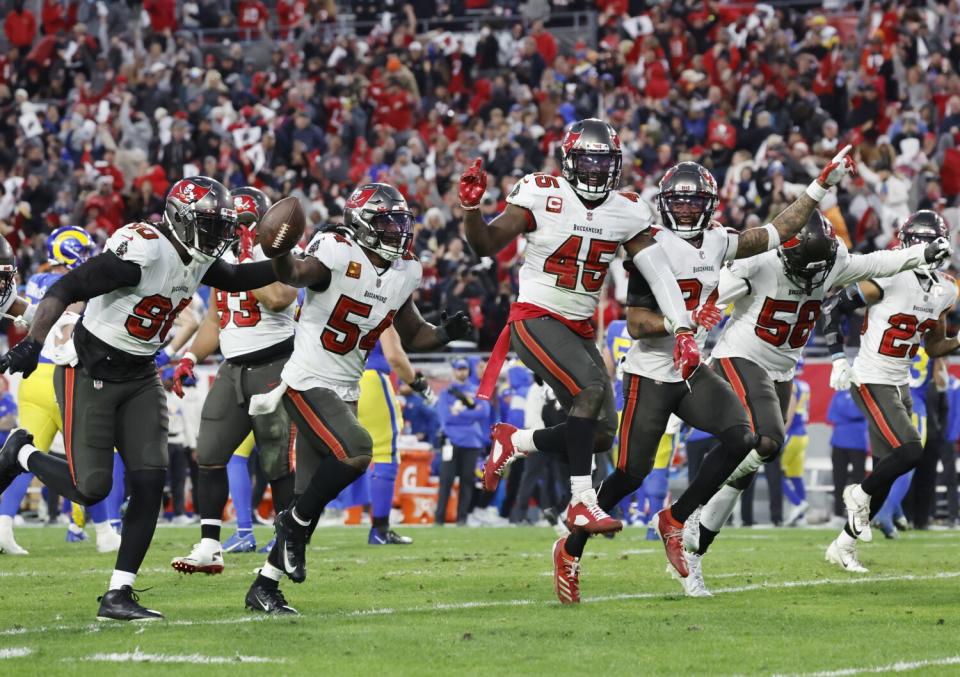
(731, 286)
(879, 264)
(240, 277)
(100, 275)
(639, 294)
(652, 264)
(835, 309)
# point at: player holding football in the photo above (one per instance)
(902, 311)
(696, 251)
(574, 224)
(254, 330)
(359, 282)
(776, 301)
(113, 398)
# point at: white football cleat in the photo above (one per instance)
(108, 540)
(691, 532)
(201, 560)
(8, 544)
(797, 513)
(693, 584)
(858, 513)
(845, 557)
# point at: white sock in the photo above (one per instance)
(6, 522)
(752, 462)
(271, 572)
(845, 540)
(121, 578)
(103, 528)
(299, 520)
(210, 544)
(523, 441)
(859, 494)
(24, 454)
(718, 509)
(580, 484)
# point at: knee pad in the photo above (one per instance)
(358, 463)
(95, 486)
(589, 401)
(739, 439)
(768, 447)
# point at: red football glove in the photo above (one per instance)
(183, 372)
(686, 355)
(473, 184)
(248, 238)
(841, 165)
(707, 316)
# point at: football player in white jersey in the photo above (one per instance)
(901, 312)
(696, 251)
(113, 398)
(254, 330)
(777, 299)
(574, 225)
(359, 281)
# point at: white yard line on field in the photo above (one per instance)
(138, 656)
(488, 604)
(15, 652)
(899, 666)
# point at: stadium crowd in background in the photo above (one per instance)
(104, 107)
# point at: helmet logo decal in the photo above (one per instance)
(244, 203)
(570, 140)
(791, 243)
(187, 192)
(360, 197)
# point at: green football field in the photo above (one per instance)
(480, 601)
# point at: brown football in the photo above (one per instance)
(281, 227)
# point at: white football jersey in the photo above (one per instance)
(772, 318)
(339, 326)
(893, 328)
(245, 325)
(697, 270)
(137, 320)
(570, 247)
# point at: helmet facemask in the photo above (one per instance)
(8, 284)
(806, 276)
(687, 214)
(924, 236)
(389, 234)
(593, 174)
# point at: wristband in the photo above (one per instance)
(189, 356)
(816, 191)
(773, 237)
(468, 209)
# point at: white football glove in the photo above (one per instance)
(840, 375)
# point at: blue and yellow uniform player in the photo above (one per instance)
(795, 449)
(890, 517)
(381, 415)
(653, 491)
(67, 248)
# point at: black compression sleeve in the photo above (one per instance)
(639, 293)
(835, 309)
(227, 277)
(100, 275)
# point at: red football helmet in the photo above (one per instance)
(380, 220)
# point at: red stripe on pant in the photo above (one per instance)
(530, 343)
(885, 429)
(734, 379)
(316, 425)
(628, 412)
(291, 449)
(69, 380)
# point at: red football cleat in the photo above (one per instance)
(590, 517)
(502, 452)
(566, 574)
(671, 531)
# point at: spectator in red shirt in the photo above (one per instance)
(20, 27)
(546, 45)
(54, 17)
(290, 15)
(105, 207)
(163, 14)
(251, 18)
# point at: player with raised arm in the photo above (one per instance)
(777, 300)
(113, 397)
(254, 330)
(902, 312)
(696, 250)
(360, 280)
(574, 225)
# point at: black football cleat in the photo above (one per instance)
(292, 541)
(123, 605)
(268, 601)
(9, 464)
(389, 537)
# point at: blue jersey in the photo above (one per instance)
(8, 406)
(801, 415)
(618, 343)
(377, 361)
(849, 424)
(921, 371)
(37, 287)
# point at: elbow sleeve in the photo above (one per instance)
(663, 284)
(835, 309)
